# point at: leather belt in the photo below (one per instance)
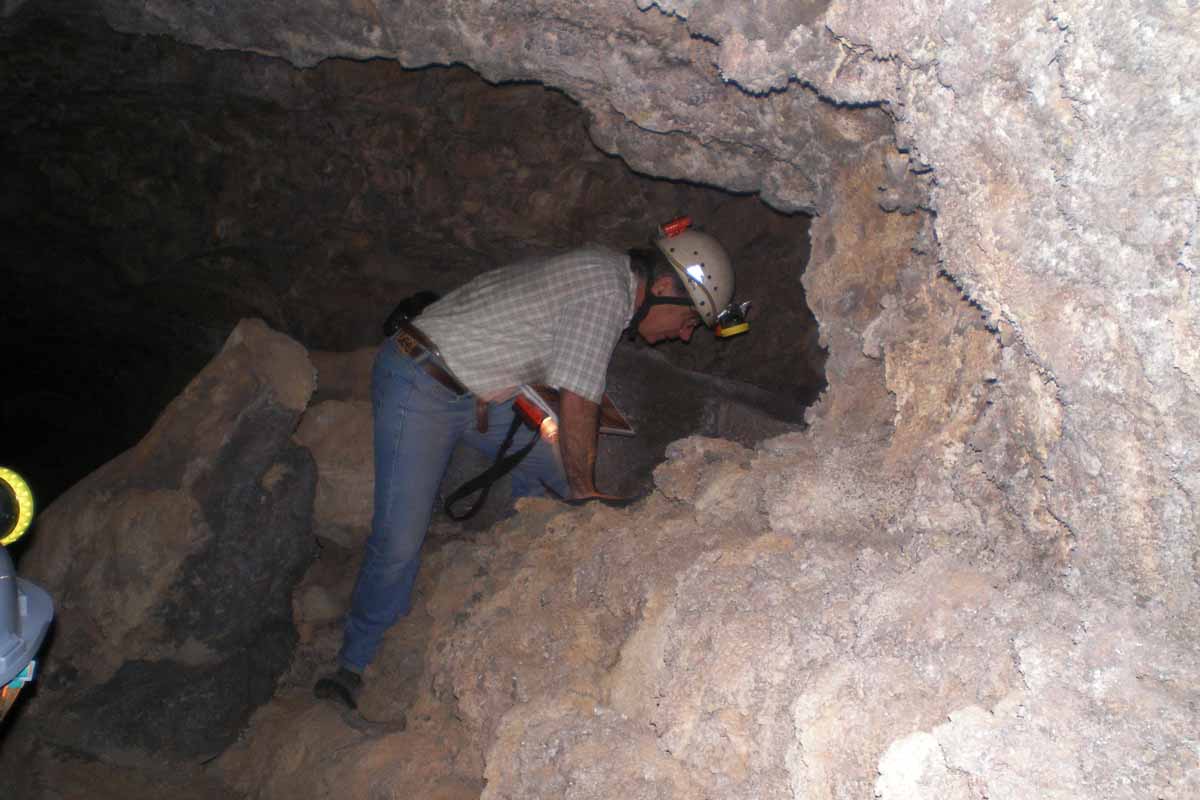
(413, 343)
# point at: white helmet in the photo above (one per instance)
(705, 268)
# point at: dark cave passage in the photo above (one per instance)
(158, 193)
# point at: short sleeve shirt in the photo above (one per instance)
(553, 321)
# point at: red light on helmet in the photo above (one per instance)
(676, 226)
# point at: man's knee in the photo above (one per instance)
(393, 554)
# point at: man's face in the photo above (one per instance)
(667, 322)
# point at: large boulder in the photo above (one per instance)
(172, 566)
(338, 434)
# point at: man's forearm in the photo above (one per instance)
(580, 420)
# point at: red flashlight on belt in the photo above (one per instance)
(530, 413)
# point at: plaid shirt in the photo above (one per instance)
(553, 321)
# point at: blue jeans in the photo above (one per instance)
(418, 423)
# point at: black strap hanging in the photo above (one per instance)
(483, 482)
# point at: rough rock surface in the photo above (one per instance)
(338, 434)
(1054, 144)
(654, 86)
(975, 575)
(704, 644)
(172, 567)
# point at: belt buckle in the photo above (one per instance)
(408, 343)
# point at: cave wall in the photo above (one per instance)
(975, 572)
(649, 81)
(1065, 192)
(158, 193)
(193, 188)
(1053, 144)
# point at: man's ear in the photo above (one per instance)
(662, 285)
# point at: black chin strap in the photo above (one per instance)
(649, 302)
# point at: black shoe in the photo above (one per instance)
(342, 687)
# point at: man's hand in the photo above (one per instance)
(580, 425)
(610, 500)
(577, 434)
